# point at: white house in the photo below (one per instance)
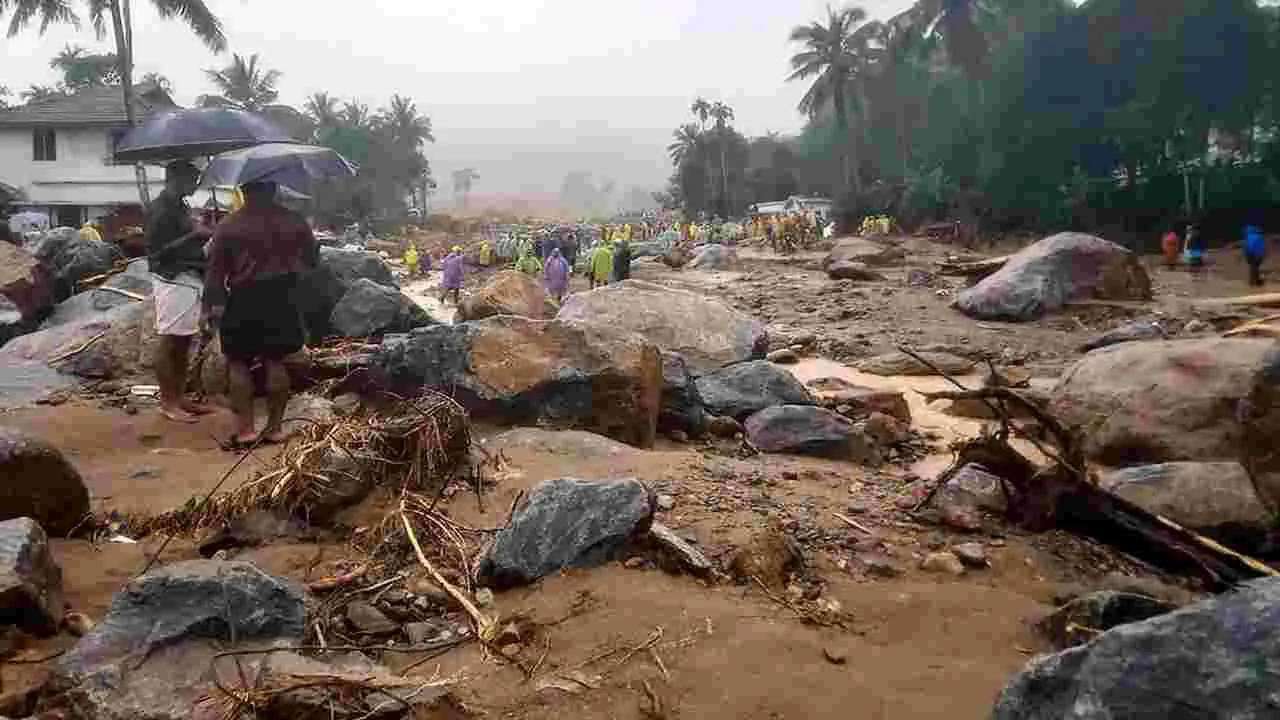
(56, 154)
(794, 205)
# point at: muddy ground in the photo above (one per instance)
(914, 645)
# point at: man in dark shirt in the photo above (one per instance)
(175, 255)
(255, 262)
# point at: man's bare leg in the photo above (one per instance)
(171, 374)
(241, 388)
(277, 399)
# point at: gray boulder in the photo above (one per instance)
(714, 257)
(321, 288)
(153, 655)
(809, 430)
(1052, 272)
(368, 308)
(23, 382)
(37, 481)
(861, 250)
(351, 265)
(586, 376)
(30, 581)
(69, 259)
(1218, 498)
(706, 332)
(746, 388)
(1212, 659)
(107, 344)
(568, 523)
(1129, 332)
(681, 404)
(135, 280)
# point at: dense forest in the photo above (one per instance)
(1123, 115)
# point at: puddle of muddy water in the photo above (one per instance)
(426, 293)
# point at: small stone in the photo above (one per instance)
(878, 565)
(222, 554)
(484, 597)
(666, 502)
(858, 507)
(420, 633)
(679, 436)
(723, 426)
(1195, 327)
(397, 596)
(368, 619)
(882, 428)
(972, 554)
(346, 404)
(145, 473)
(791, 475)
(785, 356)
(511, 649)
(905, 502)
(634, 563)
(835, 656)
(962, 518)
(796, 348)
(943, 563)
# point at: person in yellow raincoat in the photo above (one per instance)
(601, 265)
(89, 232)
(411, 260)
(486, 254)
(529, 264)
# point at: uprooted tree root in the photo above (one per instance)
(1064, 494)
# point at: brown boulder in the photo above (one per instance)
(24, 282)
(38, 482)
(507, 293)
(860, 250)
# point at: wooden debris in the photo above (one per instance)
(973, 269)
(1258, 300)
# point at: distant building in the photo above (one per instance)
(794, 205)
(56, 154)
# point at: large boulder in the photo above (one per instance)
(25, 285)
(30, 581)
(321, 288)
(1052, 272)
(747, 388)
(580, 375)
(861, 250)
(900, 363)
(1159, 401)
(12, 323)
(1198, 495)
(706, 332)
(69, 258)
(368, 308)
(37, 481)
(809, 430)
(351, 265)
(152, 655)
(715, 257)
(567, 523)
(131, 286)
(507, 293)
(101, 345)
(1212, 659)
(681, 404)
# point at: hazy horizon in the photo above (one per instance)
(524, 92)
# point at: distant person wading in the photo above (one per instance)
(255, 261)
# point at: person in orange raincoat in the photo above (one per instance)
(1171, 247)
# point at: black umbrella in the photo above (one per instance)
(187, 134)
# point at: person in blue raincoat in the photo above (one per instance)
(1255, 248)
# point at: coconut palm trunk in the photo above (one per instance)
(124, 60)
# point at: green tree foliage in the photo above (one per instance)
(244, 84)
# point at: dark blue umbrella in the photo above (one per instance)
(290, 165)
(200, 132)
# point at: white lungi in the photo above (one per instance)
(178, 304)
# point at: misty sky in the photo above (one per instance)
(522, 90)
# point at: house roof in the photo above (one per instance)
(101, 105)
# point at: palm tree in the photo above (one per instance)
(81, 69)
(835, 55)
(243, 84)
(323, 108)
(701, 109)
(685, 142)
(356, 114)
(36, 93)
(407, 128)
(956, 21)
(462, 180)
(723, 114)
(195, 13)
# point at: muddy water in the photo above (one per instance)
(426, 292)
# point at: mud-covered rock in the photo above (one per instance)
(586, 376)
(852, 270)
(714, 256)
(37, 481)
(507, 293)
(747, 388)
(682, 408)
(707, 333)
(567, 523)
(30, 581)
(1052, 272)
(104, 345)
(368, 308)
(809, 430)
(1218, 498)
(861, 250)
(26, 287)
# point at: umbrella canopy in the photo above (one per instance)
(200, 132)
(289, 165)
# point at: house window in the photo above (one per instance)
(44, 145)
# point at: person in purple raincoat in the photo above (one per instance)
(451, 281)
(556, 275)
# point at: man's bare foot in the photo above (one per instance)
(178, 414)
(196, 408)
(274, 437)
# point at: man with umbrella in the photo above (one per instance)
(256, 260)
(175, 255)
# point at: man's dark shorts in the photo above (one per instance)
(262, 321)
